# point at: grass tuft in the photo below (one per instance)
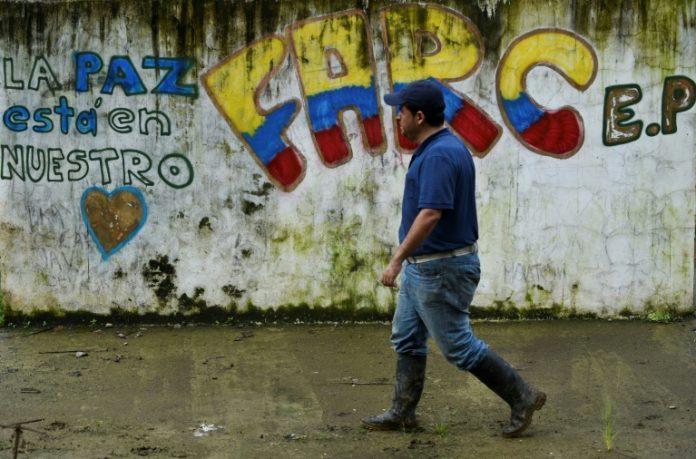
(609, 431)
(441, 428)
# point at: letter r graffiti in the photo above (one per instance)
(334, 60)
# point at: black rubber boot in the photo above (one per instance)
(410, 375)
(504, 380)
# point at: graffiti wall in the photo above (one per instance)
(172, 157)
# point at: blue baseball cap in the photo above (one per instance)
(423, 94)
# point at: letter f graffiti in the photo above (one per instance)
(233, 85)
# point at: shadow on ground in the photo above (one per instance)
(299, 391)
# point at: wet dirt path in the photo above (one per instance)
(299, 391)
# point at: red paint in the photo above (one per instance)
(286, 167)
(475, 128)
(556, 132)
(373, 131)
(333, 147)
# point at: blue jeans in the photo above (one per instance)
(434, 301)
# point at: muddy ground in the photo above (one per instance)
(299, 391)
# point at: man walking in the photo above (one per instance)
(441, 270)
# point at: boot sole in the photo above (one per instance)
(388, 427)
(538, 404)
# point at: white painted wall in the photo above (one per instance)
(607, 229)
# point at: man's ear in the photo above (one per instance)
(420, 117)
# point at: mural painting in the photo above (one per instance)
(334, 62)
(557, 133)
(113, 219)
(234, 85)
(678, 95)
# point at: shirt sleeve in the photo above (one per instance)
(437, 183)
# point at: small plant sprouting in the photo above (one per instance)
(441, 428)
(93, 323)
(608, 432)
(660, 316)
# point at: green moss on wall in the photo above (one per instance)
(306, 313)
(196, 28)
(536, 295)
(355, 259)
(2, 308)
(41, 278)
(651, 29)
(291, 313)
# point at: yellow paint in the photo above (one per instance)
(347, 35)
(459, 52)
(568, 53)
(233, 83)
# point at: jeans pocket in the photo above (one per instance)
(428, 270)
(428, 278)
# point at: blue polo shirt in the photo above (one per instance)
(441, 175)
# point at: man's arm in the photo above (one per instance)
(423, 225)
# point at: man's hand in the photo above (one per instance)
(422, 226)
(391, 272)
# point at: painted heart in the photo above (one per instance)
(113, 219)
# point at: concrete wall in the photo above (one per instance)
(170, 157)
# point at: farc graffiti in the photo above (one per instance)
(335, 65)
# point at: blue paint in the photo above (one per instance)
(522, 112)
(323, 108)
(86, 122)
(42, 117)
(453, 103)
(171, 81)
(15, 118)
(65, 111)
(266, 142)
(104, 253)
(85, 64)
(122, 73)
